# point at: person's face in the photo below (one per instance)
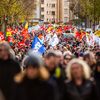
(59, 60)
(67, 60)
(50, 63)
(76, 71)
(4, 53)
(31, 72)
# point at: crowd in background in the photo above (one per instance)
(69, 70)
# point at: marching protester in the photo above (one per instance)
(32, 84)
(79, 86)
(8, 69)
(49, 64)
(53, 61)
(67, 56)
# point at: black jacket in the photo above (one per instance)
(85, 92)
(58, 83)
(33, 90)
(8, 69)
(97, 76)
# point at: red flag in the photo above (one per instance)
(2, 36)
(10, 39)
(21, 44)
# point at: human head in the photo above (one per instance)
(50, 62)
(5, 51)
(66, 59)
(59, 57)
(33, 68)
(89, 57)
(77, 68)
(32, 63)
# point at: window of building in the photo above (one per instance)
(47, 12)
(65, 11)
(53, 12)
(42, 16)
(42, 9)
(53, 5)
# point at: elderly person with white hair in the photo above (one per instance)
(79, 86)
(8, 69)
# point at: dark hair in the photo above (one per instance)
(30, 61)
(87, 55)
(98, 54)
(50, 54)
(33, 61)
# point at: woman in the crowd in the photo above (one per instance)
(79, 86)
(32, 84)
(89, 57)
(8, 69)
(66, 59)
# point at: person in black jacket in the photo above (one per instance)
(32, 84)
(97, 75)
(53, 65)
(79, 86)
(8, 69)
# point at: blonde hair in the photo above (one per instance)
(10, 51)
(85, 67)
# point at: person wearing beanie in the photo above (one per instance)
(32, 83)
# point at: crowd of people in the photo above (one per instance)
(70, 70)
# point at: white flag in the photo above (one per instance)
(54, 40)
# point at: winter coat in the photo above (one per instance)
(35, 89)
(8, 69)
(57, 81)
(97, 76)
(87, 91)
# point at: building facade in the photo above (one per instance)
(65, 10)
(37, 9)
(55, 10)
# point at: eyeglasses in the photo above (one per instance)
(67, 58)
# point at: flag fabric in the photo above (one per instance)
(1, 36)
(54, 40)
(9, 32)
(37, 46)
(26, 25)
(97, 33)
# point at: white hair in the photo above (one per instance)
(7, 46)
(58, 53)
(85, 67)
(67, 53)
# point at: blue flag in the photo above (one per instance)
(37, 46)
